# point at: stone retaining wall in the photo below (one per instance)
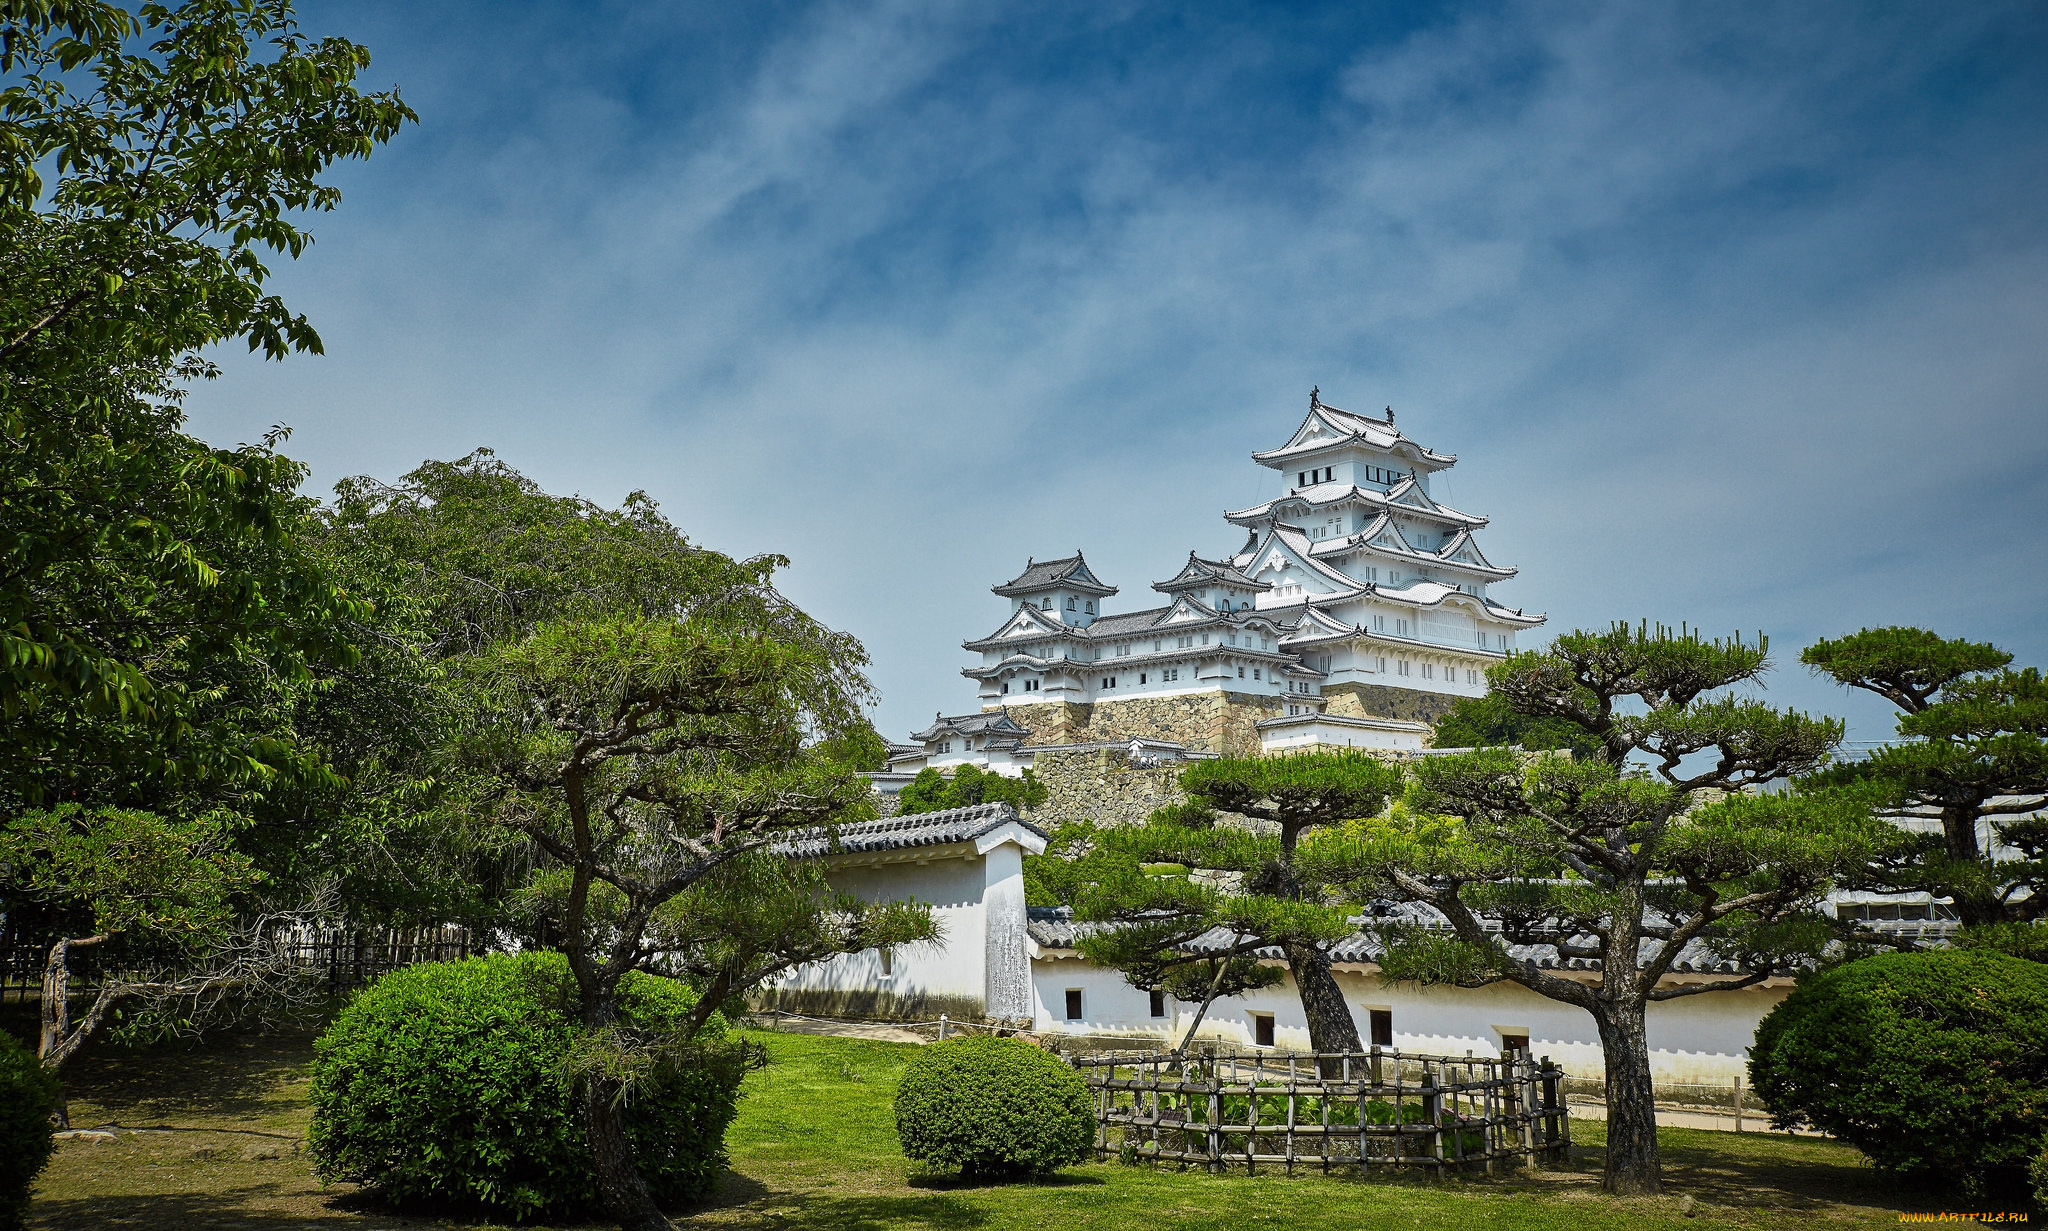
(1102, 786)
(1386, 701)
(1220, 722)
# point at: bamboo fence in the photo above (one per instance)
(1221, 1107)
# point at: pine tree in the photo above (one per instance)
(1239, 878)
(1627, 858)
(1975, 757)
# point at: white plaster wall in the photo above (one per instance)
(1109, 1005)
(1701, 1038)
(1007, 968)
(953, 966)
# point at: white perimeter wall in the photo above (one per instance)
(1693, 1039)
(953, 967)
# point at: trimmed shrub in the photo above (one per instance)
(1935, 1065)
(993, 1107)
(444, 1084)
(28, 1096)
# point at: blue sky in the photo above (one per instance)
(1734, 314)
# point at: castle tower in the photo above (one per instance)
(1356, 608)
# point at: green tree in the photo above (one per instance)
(163, 616)
(1628, 858)
(968, 785)
(1490, 722)
(1974, 756)
(1249, 885)
(657, 765)
(133, 558)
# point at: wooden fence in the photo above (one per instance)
(340, 960)
(1219, 1107)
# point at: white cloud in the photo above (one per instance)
(1732, 318)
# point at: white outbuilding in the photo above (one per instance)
(1001, 961)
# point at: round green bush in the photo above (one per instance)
(28, 1096)
(1934, 1064)
(442, 1084)
(993, 1107)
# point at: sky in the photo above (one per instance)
(1734, 314)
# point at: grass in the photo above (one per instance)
(215, 1131)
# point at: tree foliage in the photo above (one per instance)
(1249, 888)
(1975, 755)
(165, 618)
(1650, 848)
(659, 757)
(968, 785)
(1934, 1064)
(1489, 721)
(141, 566)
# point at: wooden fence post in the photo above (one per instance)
(1738, 1104)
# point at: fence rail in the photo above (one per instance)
(342, 960)
(1219, 1107)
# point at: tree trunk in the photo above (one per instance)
(619, 1186)
(1633, 1167)
(1330, 1026)
(1976, 904)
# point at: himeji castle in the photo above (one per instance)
(1354, 611)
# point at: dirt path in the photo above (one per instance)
(840, 1029)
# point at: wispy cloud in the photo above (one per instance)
(1732, 313)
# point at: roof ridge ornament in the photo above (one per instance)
(1315, 398)
(1390, 416)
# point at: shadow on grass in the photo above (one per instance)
(178, 1212)
(1786, 1174)
(231, 1077)
(953, 1181)
(808, 1211)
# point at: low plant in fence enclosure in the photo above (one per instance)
(447, 1084)
(1220, 1107)
(992, 1106)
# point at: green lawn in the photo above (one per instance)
(815, 1147)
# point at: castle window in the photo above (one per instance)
(1158, 1004)
(1073, 1004)
(1262, 1029)
(1255, 673)
(1158, 646)
(1141, 677)
(1382, 1027)
(1091, 606)
(1045, 605)
(1070, 604)
(1382, 664)
(1205, 638)
(1006, 689)
(1240, 673)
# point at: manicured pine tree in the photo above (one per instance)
(1627, 858)
(1248, 884)
(1975, 757)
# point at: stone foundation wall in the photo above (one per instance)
(1386, 701)
(1220, 722)
(1101, 786)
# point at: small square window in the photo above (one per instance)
(1159, 1004)
(1262, 1029)
(1073, 1004)
(1382, 1022)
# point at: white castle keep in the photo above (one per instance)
(1356, 610)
